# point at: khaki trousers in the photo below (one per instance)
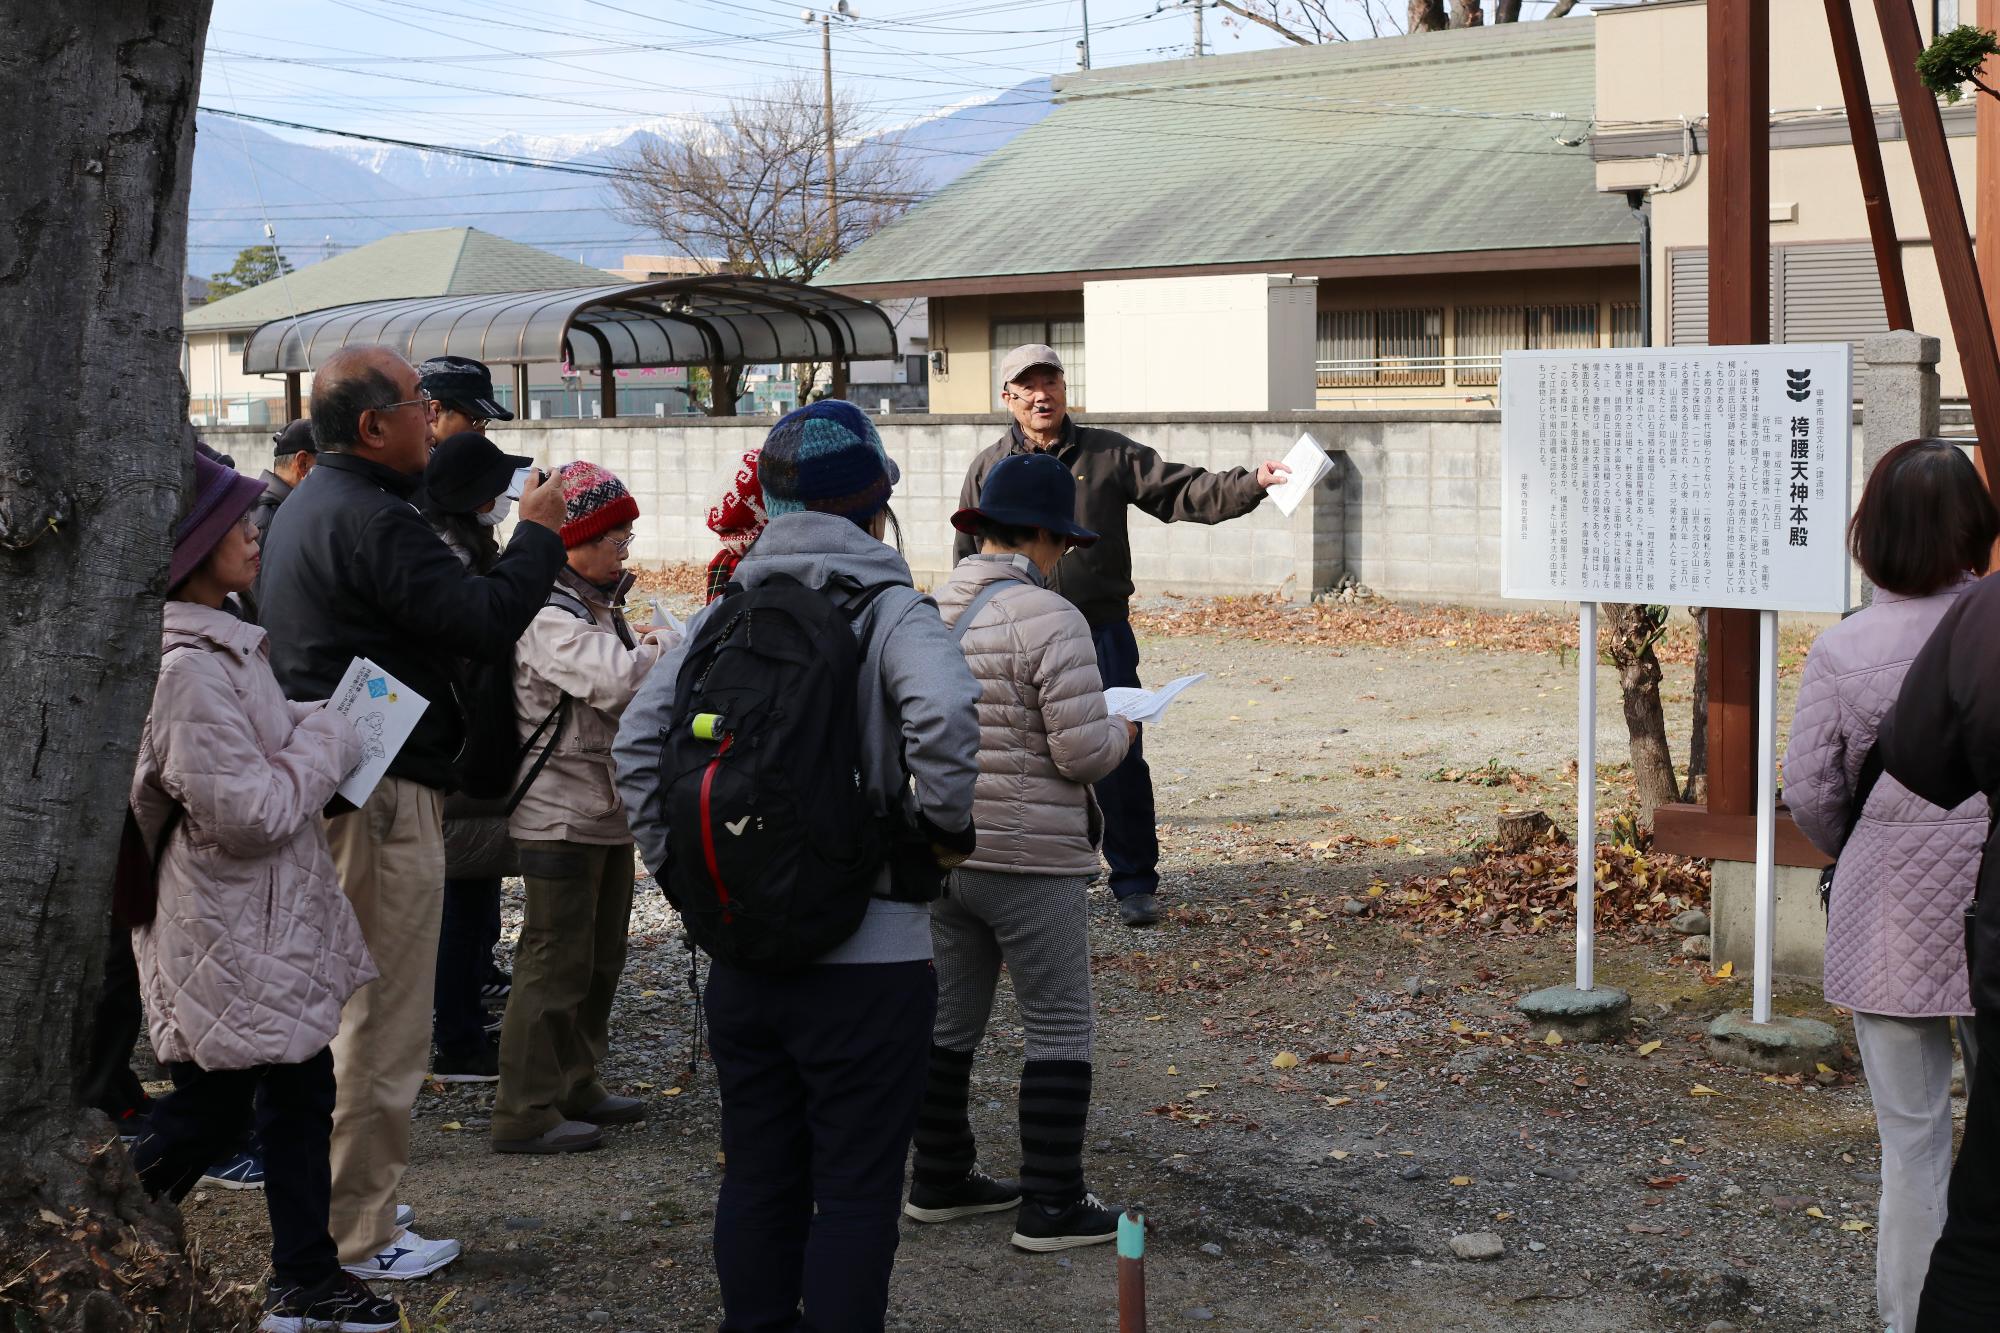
(390, 855)
(566, 969)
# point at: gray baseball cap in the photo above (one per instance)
(1025, 358)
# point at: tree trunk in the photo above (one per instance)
(1507, 11)
(1428, 16)
(1697, 783)
(98, 100)
(1467, 14)
(1634, 628)
(725, 386)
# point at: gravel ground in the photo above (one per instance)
(1321, 1194)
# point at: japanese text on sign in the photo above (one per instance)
(1700, 476)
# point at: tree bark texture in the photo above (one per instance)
(1697, 783)
(1428, 16)
(98, 99)
(1634, 628)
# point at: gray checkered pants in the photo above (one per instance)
(1036, 924)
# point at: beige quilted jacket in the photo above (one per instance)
(1044, 734)
(254, 948)
(600, 665)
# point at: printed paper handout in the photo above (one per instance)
(666, 623)
(385, 711)
(1146, 705)
(1308, 463)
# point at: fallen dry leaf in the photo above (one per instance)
(1172, 1069)
(1284, 1060)
(1553, 1039)
(1814, 1211)
(1663, 1182)
(1702, 1090)
(1856, 1224)
(1461, 1180)
(1649, 1048)
(451, 1126)
(1726, 970)
(1338, 1155)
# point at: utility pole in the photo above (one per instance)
(825, 21)
(1200, 43)
(1083, 47)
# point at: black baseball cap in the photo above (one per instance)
(1028, 491)
(460, 379)
(466, 470)
(296, 438)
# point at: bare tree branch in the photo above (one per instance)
(747, 194)
(1267, 21)
(1562, 8)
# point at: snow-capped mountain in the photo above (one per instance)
(327, 195)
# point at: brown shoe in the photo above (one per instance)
(615, 1111)
(569, 1136)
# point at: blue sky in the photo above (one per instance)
(468, 71)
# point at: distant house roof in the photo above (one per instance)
(445, 261)
(1382, 156)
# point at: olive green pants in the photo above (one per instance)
(566, 970)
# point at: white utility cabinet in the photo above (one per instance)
(1243, 342)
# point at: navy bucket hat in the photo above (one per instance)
(1028, 491)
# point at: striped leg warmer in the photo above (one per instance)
(945, 1149)
(1055, 1101)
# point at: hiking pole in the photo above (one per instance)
(1132, 1272)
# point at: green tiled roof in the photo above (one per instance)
(446, 261)
(1401, 146)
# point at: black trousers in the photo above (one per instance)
(1131, 835)
(206, 1117)
(466, 936)
(107, 1081)
(1962, 1289)
(821, 1072)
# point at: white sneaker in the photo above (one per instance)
(406, 1216)
(410, 1256)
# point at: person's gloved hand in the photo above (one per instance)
(949, 849)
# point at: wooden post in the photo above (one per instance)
(1944, 211)
(1868, 161)
(607, 391)
(1132, 1272)
(521, 405)
(836, 379)
(1739, 312)
(1986, 174)
(294, 401)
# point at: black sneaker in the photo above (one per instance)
(499, 985)
(977, 1193)
(479, 1065)
(341, 1304)
(1045, 1228)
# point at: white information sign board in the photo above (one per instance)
(1691, 476)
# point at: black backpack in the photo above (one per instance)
(773, 851)
(493, 751)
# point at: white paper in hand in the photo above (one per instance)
(1308, 463)
(1144, 706)
(666, 623)
(385, 711)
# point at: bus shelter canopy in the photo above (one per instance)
(721, 318)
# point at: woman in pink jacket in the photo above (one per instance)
(1895, 949)
(253, 948)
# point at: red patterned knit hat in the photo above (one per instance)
(739, 516)
(594, 502)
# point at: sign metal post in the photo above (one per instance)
(1767, 813)
(1586, 795)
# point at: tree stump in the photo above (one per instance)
(1521, 829)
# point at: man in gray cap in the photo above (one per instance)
(1113, 474)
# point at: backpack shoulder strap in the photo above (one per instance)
(563, 599)
(975, 606)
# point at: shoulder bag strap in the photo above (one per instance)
(975, 606)
(564, 600)
(1864, 787)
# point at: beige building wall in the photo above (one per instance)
(219, 391)
(1652, 74)
(962, 327)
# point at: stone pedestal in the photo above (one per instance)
(1785, 1045)
(1798, 939)
(1602, 1013)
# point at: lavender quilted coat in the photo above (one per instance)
(1895, 939)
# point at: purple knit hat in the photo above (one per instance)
(221, 497)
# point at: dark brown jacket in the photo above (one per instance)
(1113, 475)
(1942, 741)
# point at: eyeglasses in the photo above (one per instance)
(407, 402)
(619, 544)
